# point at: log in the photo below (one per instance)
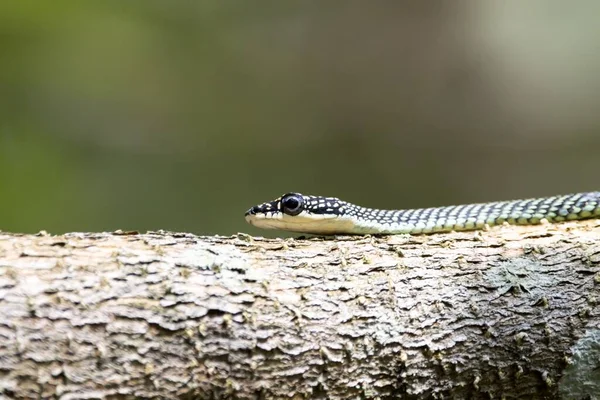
(510, 312)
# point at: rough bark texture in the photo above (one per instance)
(510, 313)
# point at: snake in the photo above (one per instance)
(321, 215)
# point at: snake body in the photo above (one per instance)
(329, 215)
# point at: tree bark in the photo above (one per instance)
(505, 313)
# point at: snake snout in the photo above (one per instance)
(261, 209)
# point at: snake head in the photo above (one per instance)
(301, 213)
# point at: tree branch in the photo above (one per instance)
(508, 312)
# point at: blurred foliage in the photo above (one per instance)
(181, 115)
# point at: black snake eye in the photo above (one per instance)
(292, 204)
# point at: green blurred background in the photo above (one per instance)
(180, 115)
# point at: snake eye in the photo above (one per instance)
(292, 204)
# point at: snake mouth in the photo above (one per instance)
(252, 218)
(304, 222)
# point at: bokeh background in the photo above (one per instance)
(180, 115)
